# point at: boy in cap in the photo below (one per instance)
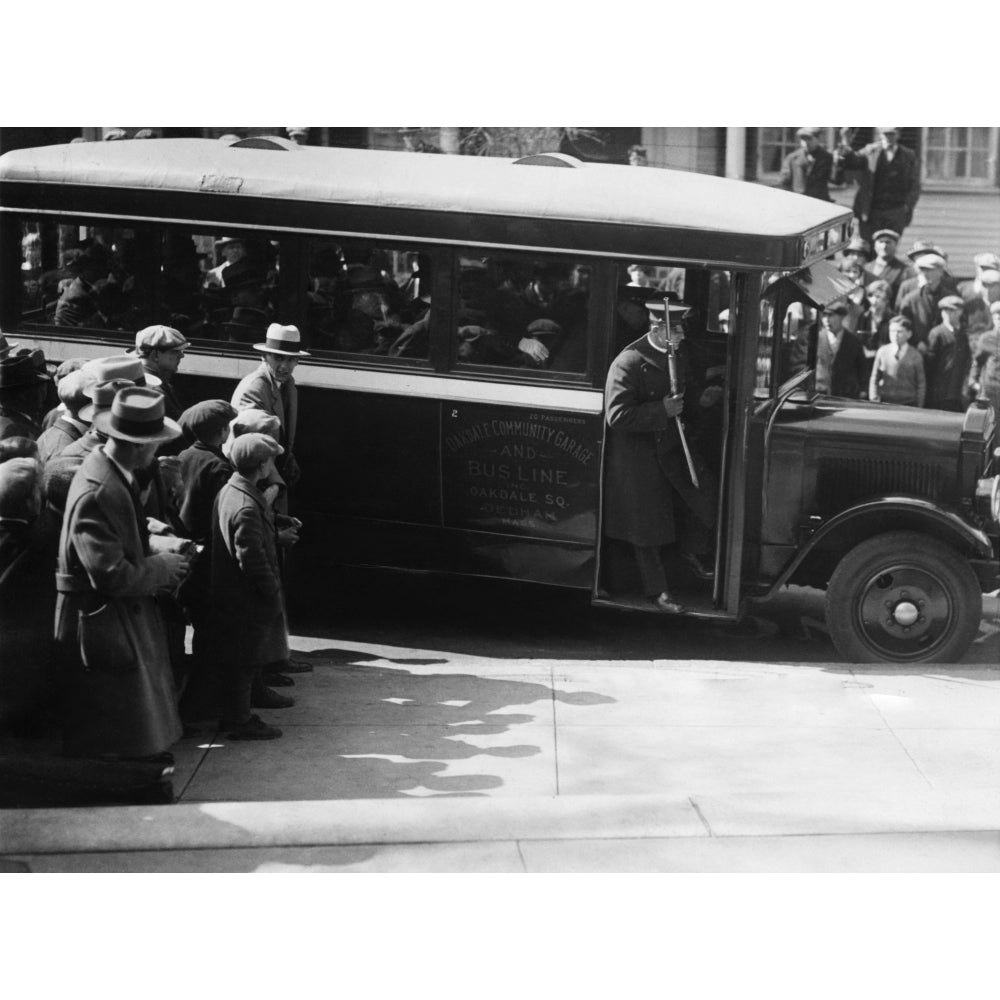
(161, 350)
(948, 358)
(807, 169)
(271, 388)
(840, 358)
(247, 605)
(119, 693)
(898, 372)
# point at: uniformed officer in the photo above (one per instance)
(648, 480)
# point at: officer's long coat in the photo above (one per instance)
(644, 461)
(118, 683)
(248, 622)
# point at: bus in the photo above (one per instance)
(461, 314)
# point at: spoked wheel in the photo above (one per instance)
(903, 597)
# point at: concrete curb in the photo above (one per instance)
(233, 825)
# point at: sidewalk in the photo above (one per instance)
(572, 765)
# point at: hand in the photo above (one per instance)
(290, 471)
(177, 568)
(534, 348)
(287, 537)
(674, 405)
(156, 527)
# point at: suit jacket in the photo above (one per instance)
(51, 442)
(947, 363)
(808, 174)
(259, 391)
(247, 608)
(846, 368)
(920, 307)
(644, 462)
(118, 680)
(895, 273)
(203, 474)
(882, 185)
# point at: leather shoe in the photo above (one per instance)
(696, 566)
(668, 603)
(278, 680)
(296, 666)
(253, 729)
(266, 698)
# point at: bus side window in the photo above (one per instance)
(368, 299)
(520, 311)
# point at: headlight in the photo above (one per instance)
(988, 498)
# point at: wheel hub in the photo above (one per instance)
(904, 612)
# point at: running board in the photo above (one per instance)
(695, 607)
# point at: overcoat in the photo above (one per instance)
(947, 364)
(52, 441)
(259, 391)
(204, 471)
(248, 621)
(899, 182)
(120, 693)
(644, 460)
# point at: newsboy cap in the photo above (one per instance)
(248, 451)
(207, 418)
(952, 302)
(930, 262)
(885, 234)
(160, 338)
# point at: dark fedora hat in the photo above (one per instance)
(102, 396)
(137, 415)
(18, 370)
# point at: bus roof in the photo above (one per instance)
(604, 194)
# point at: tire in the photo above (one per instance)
(903, 597)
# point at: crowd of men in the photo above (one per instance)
(125, 518)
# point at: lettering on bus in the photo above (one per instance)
(528, 474)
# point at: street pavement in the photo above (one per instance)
(433, 758)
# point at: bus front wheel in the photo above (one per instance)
(903, 597)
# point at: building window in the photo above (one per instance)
(963, 156)
(776, 142)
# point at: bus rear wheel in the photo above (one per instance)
(903, 597)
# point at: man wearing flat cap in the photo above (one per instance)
(921, 306)
(948, 359)
(120, 699)
(886, 266)
(888, 180)
(840, 358)
(271, 388)
(161, 350)
(807, 169)
(651, 498)
(980, 293)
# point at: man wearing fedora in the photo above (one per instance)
(232, 250)
(888, 180)
(119, 695)
(24, 385)
(271, 388)
(649, 486)
(806, 170)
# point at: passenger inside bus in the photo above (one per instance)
(523, 313)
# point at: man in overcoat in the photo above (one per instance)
(249, 627)
(119, 693)
(888, 181)
(807, 169)
(646, 473)
(271, 388)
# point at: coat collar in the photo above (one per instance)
(240, 482)
(649, 353)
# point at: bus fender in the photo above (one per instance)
(889, 513)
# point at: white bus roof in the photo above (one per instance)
(589, 192)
